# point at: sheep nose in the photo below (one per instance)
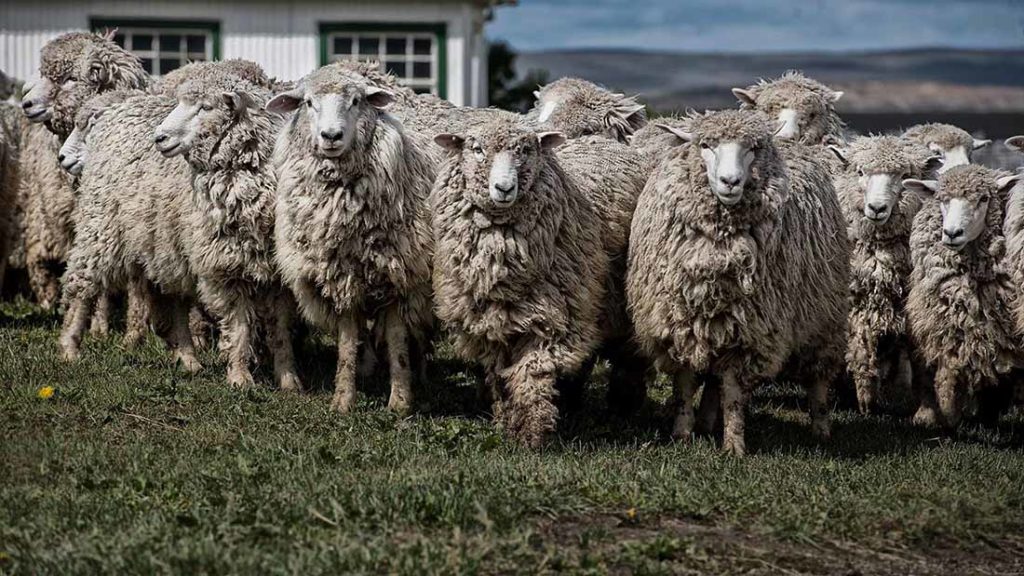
(60, 158)
(331, 135)
(729, 180)
(953, 233)
(160, 138)
(506, 188)
(877, 208)
(26, 104)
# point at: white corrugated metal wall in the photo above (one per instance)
(282, 35)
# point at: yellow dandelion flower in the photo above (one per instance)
(631, 513)
(46, 392)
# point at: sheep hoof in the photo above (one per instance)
(399, 404)
(241, 381)
(188, 362)
(132, 339)
(926, 417)
(290, 383)
(70, 352)
(342, 403)
(99, 330)
(734, 446)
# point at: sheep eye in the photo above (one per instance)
(984, 199)
(704, 145)
(355, 101)
(207, 106)
(309, 102)
(860, 171)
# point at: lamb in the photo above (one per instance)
(738, 262)
(577, 108)
(961, 296)
(879, 216)
(352, 222)
(953, 145)
(219, 127)
(804, 107)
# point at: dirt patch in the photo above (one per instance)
(666, 545)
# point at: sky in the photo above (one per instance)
(760, 25)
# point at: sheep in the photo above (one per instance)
(10, 142)
(519, 273)
(1013, 229)
(577, 108)
(352, 224)
(73, 154)
(961, 295)
(879, 216)
(953, 145)
(219, 127)
(804, 107)
(738, 262)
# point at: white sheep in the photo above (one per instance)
(353, 231)
(738, 263)
(953, 145)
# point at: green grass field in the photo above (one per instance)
(131, 467)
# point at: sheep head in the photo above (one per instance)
(966, 195)
(953, 145)
(580, 108)
(500, 161)
(75, 66)
(804, 107)
(73, 154)
(881, 164)
(340, 109)
(735, 147)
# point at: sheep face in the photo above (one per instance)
(956, 155)
(881, 164)
(804, 108)
(196, 119)
(74, 153)
(730, 143)
(579, 108)
(953, 145)
(37, 101)
(500, 166)
(965, 194)
(339, 113)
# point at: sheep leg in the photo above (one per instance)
(927, 414)
(280, 340)
(43, 282)
(100, 326)
(173, 329)
(136, 318)
(397, 337)
(734, 404)
(710, 405)
(75, 320)
(948, 391)
(817, 396)
(530, 411)
(239, 349)
(348, 359)
(685, 388)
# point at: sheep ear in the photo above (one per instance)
(932, 164)
(1006, 182)
(286, 102)
(683, 137)
(979, 144)
(840, 154)
(746, 97)
(924, 187)
(379, 97)
(450, 142)
(536, 94)
(1015, 143)
(837, 94)
(550, 140)
(625, 118)
(238, 101)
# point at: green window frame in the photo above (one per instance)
(400, 48)
(164, 45)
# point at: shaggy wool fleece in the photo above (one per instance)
(521, 288)
(739, 290)
(577, 108)
(880, 257)
(960, 303)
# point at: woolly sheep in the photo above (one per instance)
(519, 273)
(353, 230)
(577, 108)
(1013, 229)
(804, 107)
(10, 142)
(738, 262)
(220, 128)
(959, 308)
(953, 145)
(879, 215)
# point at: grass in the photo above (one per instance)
(132, 467)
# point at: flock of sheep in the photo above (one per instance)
(724, 249)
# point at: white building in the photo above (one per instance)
(433, 45)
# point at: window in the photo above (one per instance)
(165, 45)
(413, 53)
